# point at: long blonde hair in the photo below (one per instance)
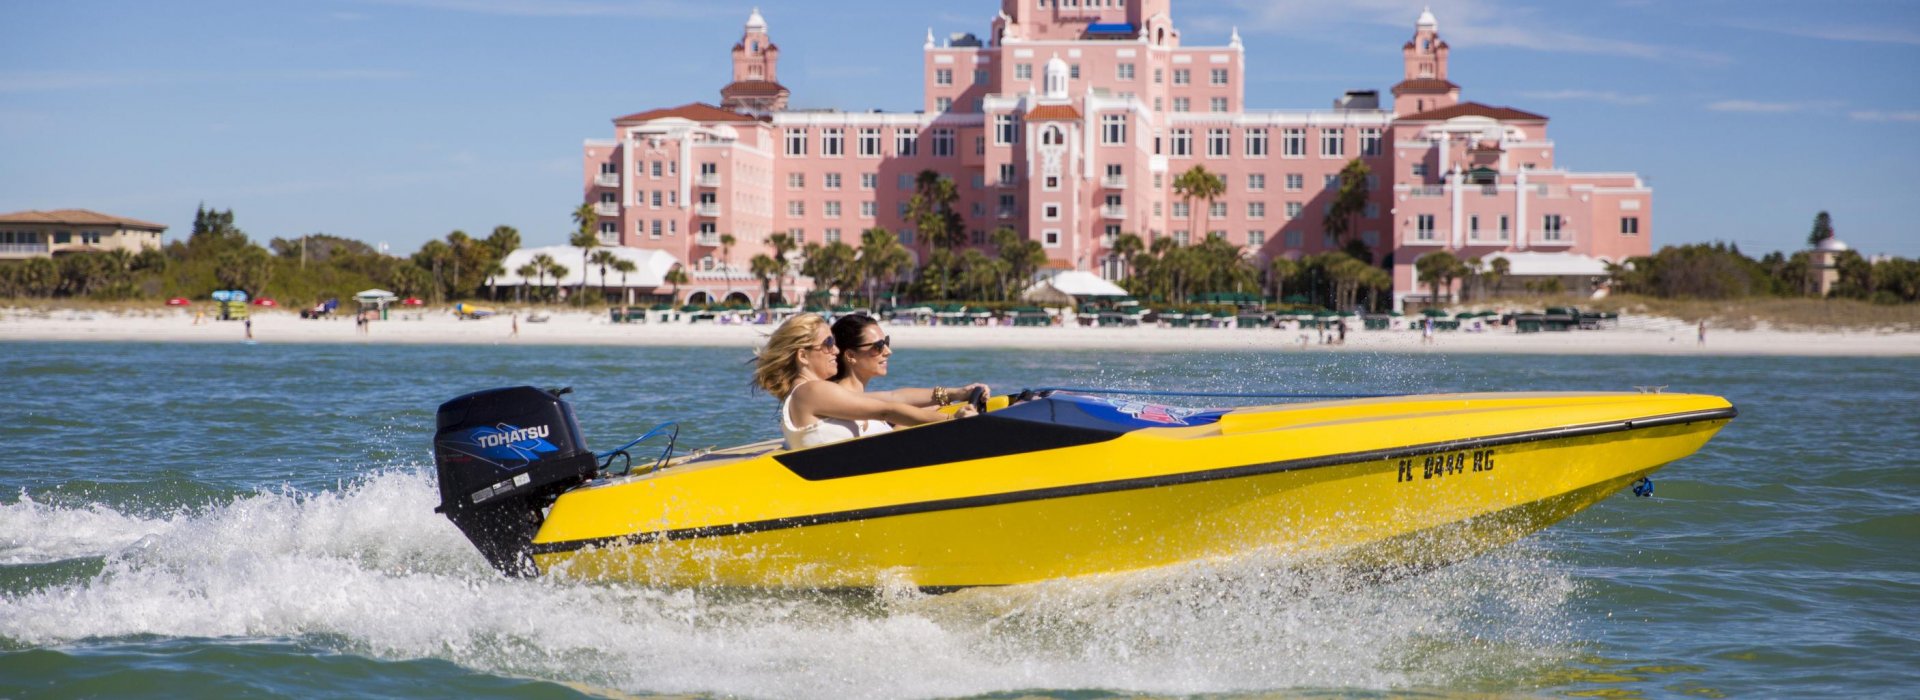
(777, 365)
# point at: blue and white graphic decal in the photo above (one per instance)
(1147, 415)
(507, 445)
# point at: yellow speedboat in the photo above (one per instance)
(1057, 486)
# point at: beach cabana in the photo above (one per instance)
(1070, 287)
(376, 299)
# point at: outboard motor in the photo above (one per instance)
(504, 455)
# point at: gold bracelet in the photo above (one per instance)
(940, 395)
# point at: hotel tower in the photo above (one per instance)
(1069, 124)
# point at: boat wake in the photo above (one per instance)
(369, 569)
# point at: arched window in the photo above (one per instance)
(1053, 136)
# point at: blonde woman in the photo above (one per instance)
(797, 366)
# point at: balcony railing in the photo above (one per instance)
(1114, 183)
(23, 248)
(606, 209)
(1429, 191)
(706, 209)
(708, 179)
(1006, 213)
(708, 239)
(607, 179)
(1563, 237)
(1113, 212)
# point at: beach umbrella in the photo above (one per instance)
(1432, 312)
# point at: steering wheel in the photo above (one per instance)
(978, 400)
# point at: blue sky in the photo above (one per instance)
(398, 121)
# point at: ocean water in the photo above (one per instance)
(232, 520)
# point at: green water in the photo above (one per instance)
(228, 520)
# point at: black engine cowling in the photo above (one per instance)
(504, 455)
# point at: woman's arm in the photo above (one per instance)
(928, 397)
(815, 400)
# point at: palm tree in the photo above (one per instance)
(1437, 269)
(543, 264)
(603, 259)
(726, 261)
(624, 266)
(1277, 273)
(881, 257)
(458, 243)
(560, 272)
(675, 277)
(1126, 246)
(494, 271)
(765, 268)
(585, 237)
(1023, 257)
(1497, 273)
(783, 246)
(525, 271)
(1348, 202)
(1197, 183)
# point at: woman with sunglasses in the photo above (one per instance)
(797, 366)
(864, 354)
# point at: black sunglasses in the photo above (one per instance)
(826, 345)
(878, 345)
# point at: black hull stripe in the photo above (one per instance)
(1136, 483)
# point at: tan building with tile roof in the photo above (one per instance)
(41, 234)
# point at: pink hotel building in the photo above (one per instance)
(1070, 123)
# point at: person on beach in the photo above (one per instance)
(865, 352)
(797, 366)
(249, 324)
(516, 326)
(1703, 332)
(1426, 332)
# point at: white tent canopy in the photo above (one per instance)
(1531, 264)
(1067, 285)
(374, 296)
(652, 267)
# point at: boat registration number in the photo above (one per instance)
(1445, 464)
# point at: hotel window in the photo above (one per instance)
(1159, 105)
(1370, 143)
(1217, 104)
(978, 236)
(1330, 181)
(1505, 227)
(1256, 210)
(1219, 143)
(1256, 182)
(832, 144)
(1181, 104)
(1111, 235)
(943, 76)
(1473, 226)
(1219, 76)
(979, 76)
(1008, 174)
(796, 142)
(1296, 182)
(906, 143)
(1371, 238)
(868, 181)
(656, 199)
(906, 182)
(607, 198)
(1295, 239)
(1217, 209)
(796, 208)
(1182, 76)
(1256, 238)
(796, 181)
(979, 181)
(979, 209)
(1419, 170)
(1180, 210)
(979, 145)
(943, 143)
(870, 142)
(1182, 142)
(1550, 227)
(1333, 143)
(656, 168)
(1007, 206)
(655, 232)
(1073, 71)
(799, 235)
(832, 181)
(833, 236)
(1113, 202)
(1181, 237)
(1113, 129)
(1005, 130)
(1630, 226)
(1050, 212)
(1156, 208)
(1293, 209)
(1050, 182)
(903, 210)
(1157, 180)
(609, 169)
(1159, 75)
(833, 210)
(866, 209)
(1256, 143)
(1116, 174)
(1050, 239)
(1372, 211)
(942, 104)
(1022, 71)
(1423, 227)
(1328, 241)
(1124, 71)
(906, 237)
(1293, 143)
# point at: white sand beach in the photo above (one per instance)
(1635, 335)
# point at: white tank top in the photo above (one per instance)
(825, 430)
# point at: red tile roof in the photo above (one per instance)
(1053, 112)
(694, 111)
(753, 88)
(77, 217)
(1472, 109)
(1424, 85)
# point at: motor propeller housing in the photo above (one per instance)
(503, 456)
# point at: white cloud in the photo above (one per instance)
(1875, 115)
(45, 81)
(1606, 96)
(1894, 32)
(1462, 22)
(1758, 107)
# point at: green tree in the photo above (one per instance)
(832, 266)
(503, 240)
(603, 259)
(1436, 270)
(764, 268)
(1197, 183)
(726, 261)
(881, 259)
(1349, 203)
(782, 246)
(1126, 246)
(544, 265)
(526, 272)
(1279, 270)
(247, 268)
(675, 276)
(586, 237)
(1023, 258)
(625, 266)
(1822, 229)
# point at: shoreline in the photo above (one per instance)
(1636, 335)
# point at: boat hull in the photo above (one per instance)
(1302, 480)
